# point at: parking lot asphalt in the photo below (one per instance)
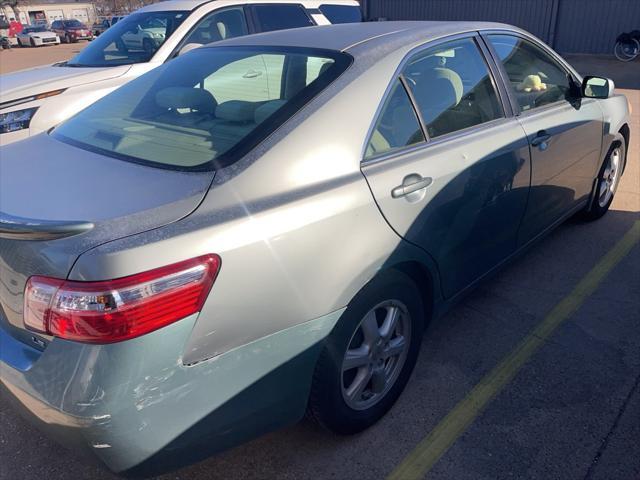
(570, 411)
(19, 58)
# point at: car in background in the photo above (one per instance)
(116, 18)
(37, 36)
(71, 31)
(195, 261)
(43, 97)
(100, 26)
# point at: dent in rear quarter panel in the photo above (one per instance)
(135, 405)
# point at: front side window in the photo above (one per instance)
(341, 13)
(452, 87)
(397, 125)
(279, 17)
(201, 111)
(134, 39)
(536, 79)
(219, 25)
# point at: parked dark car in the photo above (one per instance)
(71, 30)
(98, 27)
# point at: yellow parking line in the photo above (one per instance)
(419, 461)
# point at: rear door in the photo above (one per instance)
(447, 163)
(564, 131)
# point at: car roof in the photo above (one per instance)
(365, 36)
(191, 4)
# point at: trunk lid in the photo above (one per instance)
(58, 201)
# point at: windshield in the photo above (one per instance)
(34, 29)
(134, 39)
(73, 24)
(205, 109)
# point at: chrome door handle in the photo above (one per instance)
(252, 74)
(541, 139)
(411, 183)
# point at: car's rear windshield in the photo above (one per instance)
(72, 23)
(135, 39)
(206, 108)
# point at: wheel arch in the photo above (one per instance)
(420, 274)
(625, 131)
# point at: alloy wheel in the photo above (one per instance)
(609, 179)
(376, 354)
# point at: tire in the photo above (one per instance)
(607, 181)
(122, 48)
(147, 46)
(32, 42)
(627, 51)
(336, 402)
(67, 38)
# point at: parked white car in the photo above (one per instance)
(34, 100)
(37, 36)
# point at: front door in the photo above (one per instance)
(454, 179)
(564, 131)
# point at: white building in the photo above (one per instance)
(41, 12)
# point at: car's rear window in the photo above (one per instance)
(342, 13)
(205, 109)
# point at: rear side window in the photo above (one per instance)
(342, 13)
(397, 125)
(205, 109)
(279, 17)
(452, 87)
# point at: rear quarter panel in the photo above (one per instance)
(294, 223)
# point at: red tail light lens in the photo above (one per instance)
(115, 310)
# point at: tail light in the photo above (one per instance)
(115, 310)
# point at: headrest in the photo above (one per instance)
(237, 111)
(453, 78)
(437, 90)
(186, 97)
(222, 30)
(265, 111)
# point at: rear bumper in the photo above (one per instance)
(138, 409)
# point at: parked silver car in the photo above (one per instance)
(195, 262)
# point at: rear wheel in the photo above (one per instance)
(67, 38)
(625, 51)
(147, 46)
(369, 356)
(607, 182)
(122, 48)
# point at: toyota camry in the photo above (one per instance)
(195, 261)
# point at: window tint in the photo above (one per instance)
(219, 25)
(452, 87)
(279, 17)
(204, 109)
(397, 126)
(535, 77)
(341, 13)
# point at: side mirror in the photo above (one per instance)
(188, 47)
(597, 87)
